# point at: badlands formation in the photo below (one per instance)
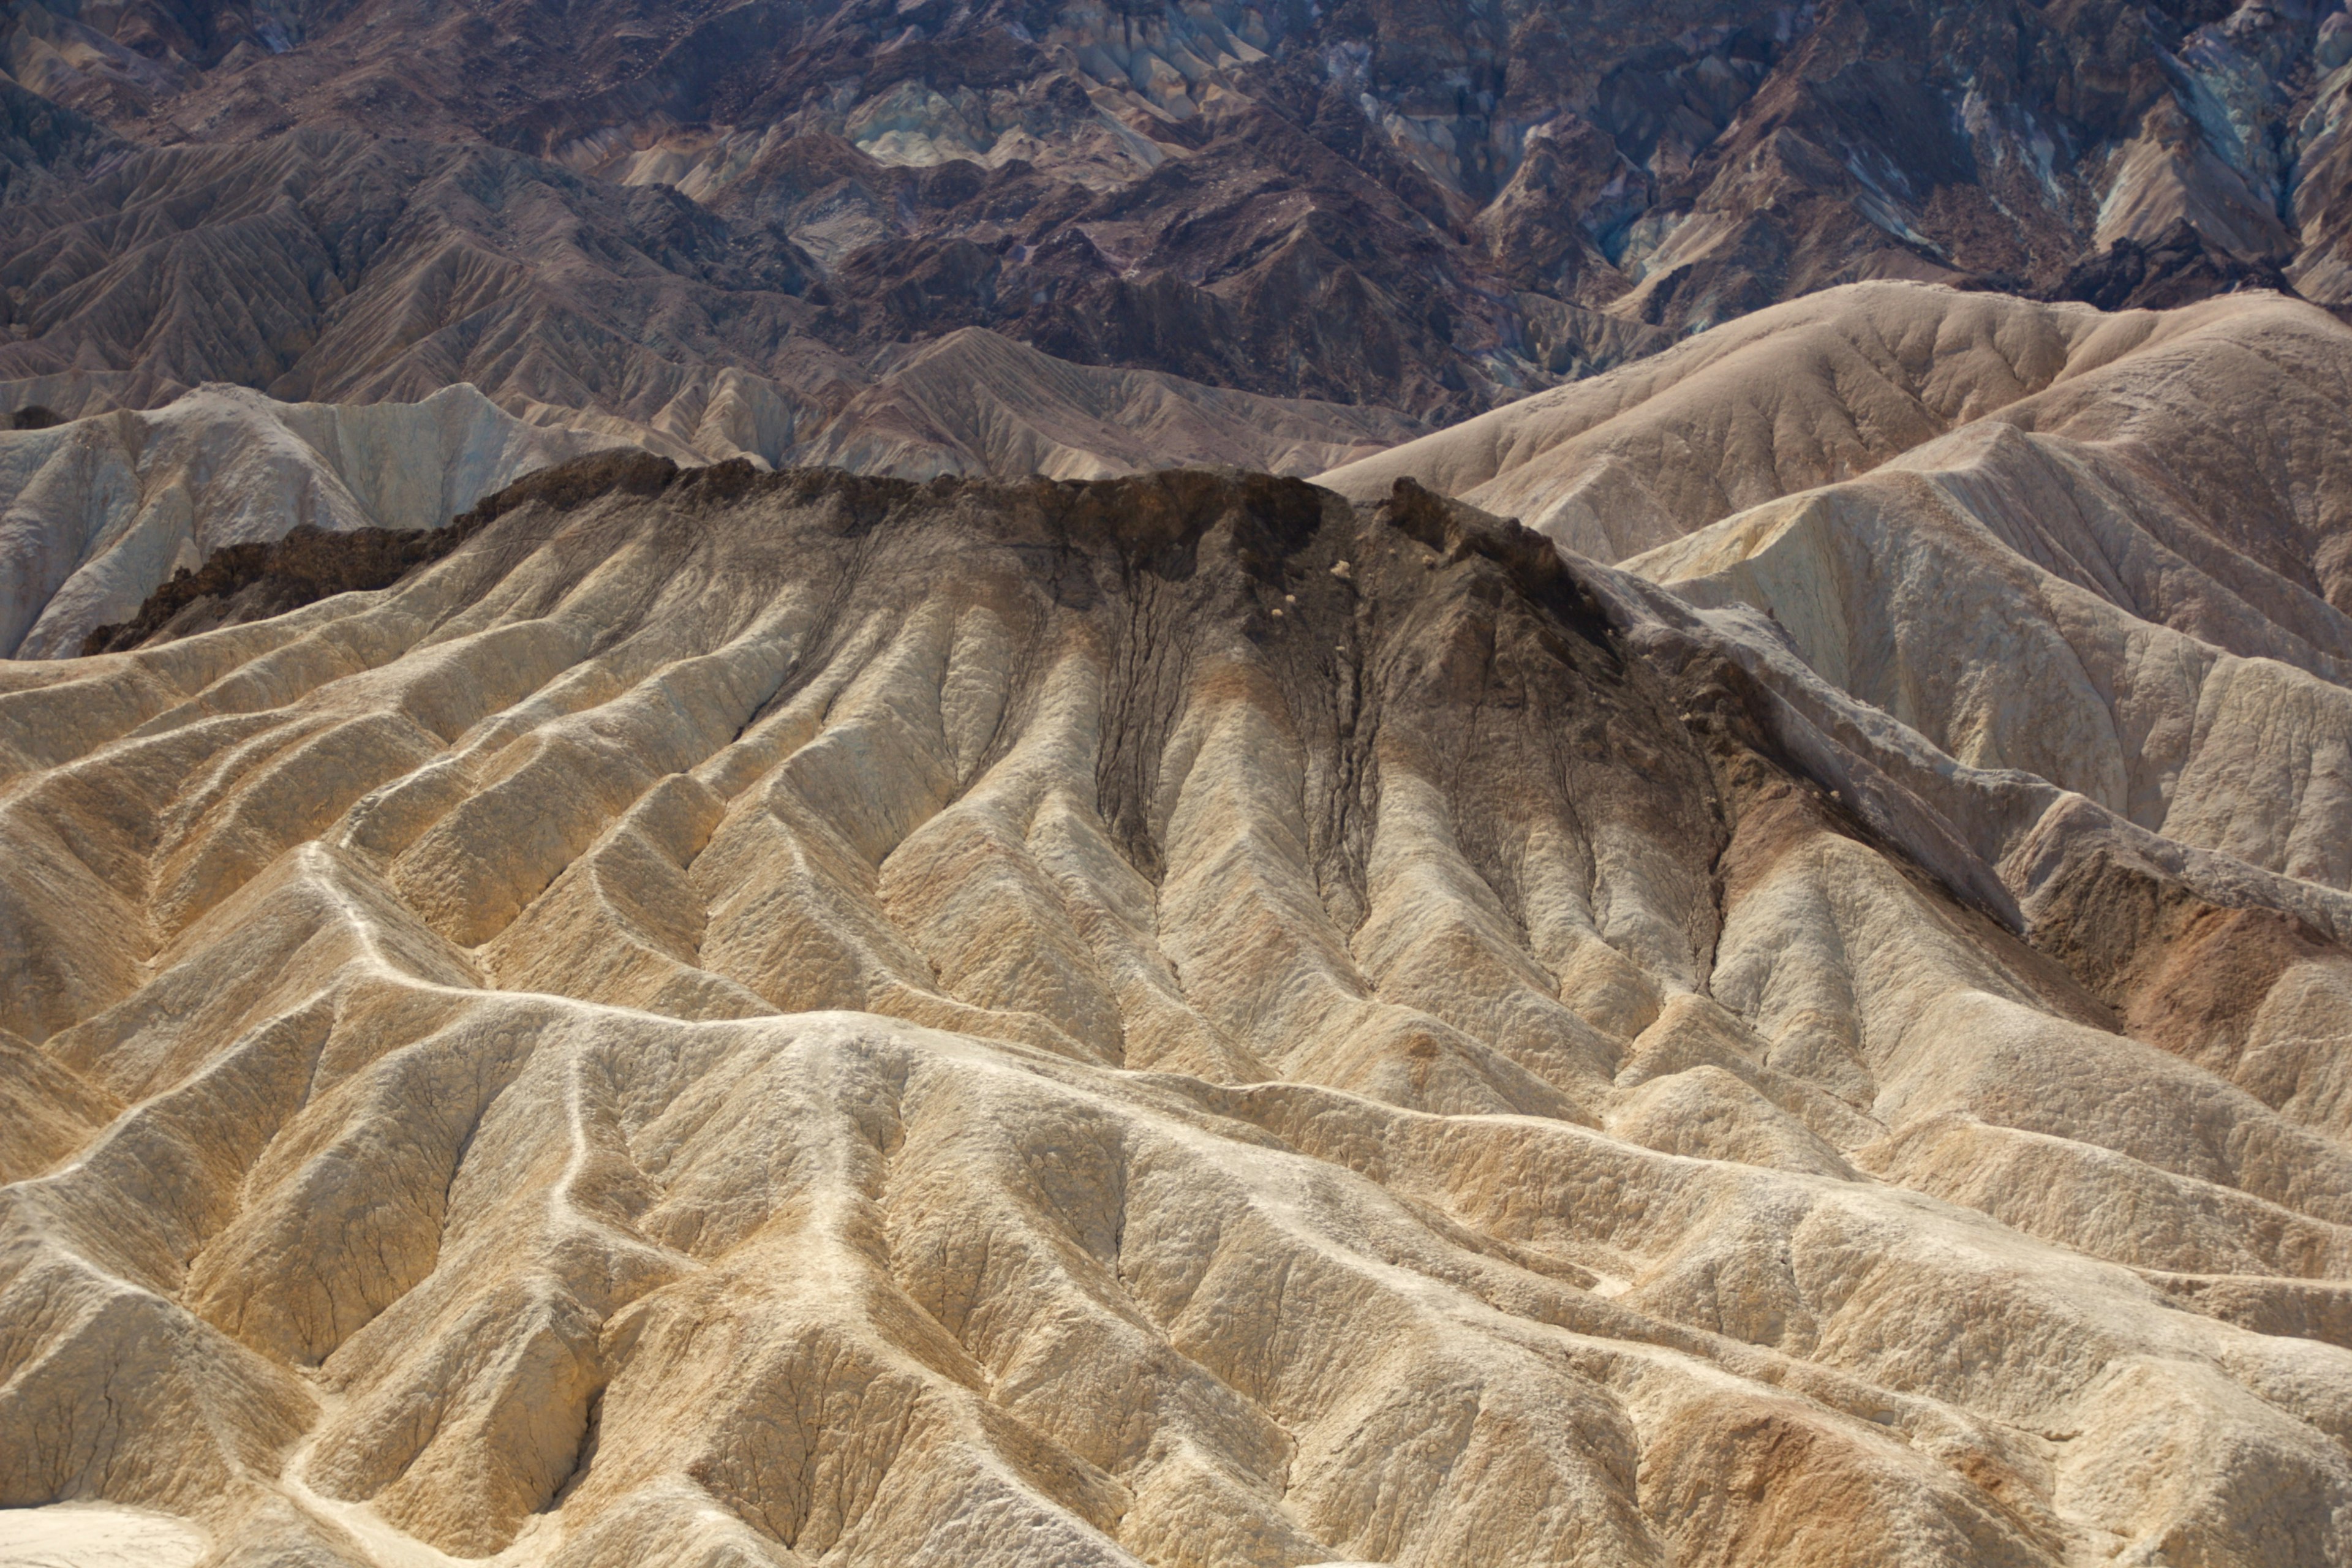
(1203, 1019)
(905, 948)
(96, 513)
(2107, 554)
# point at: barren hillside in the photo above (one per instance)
(796, 1018)
(1272, 783)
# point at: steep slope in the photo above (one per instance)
(769, 1019)
(338, 268)
(2084, 654)
(2122, 586)
(2235, 400)
(95, 513)
(331, 267)
(2125, 570)
(1780, 401)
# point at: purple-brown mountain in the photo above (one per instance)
(724, 221)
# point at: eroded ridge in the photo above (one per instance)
(779, 1019)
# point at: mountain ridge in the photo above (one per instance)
(1267, 200)
(1390, 781)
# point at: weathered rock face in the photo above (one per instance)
(95, 513)
(330, 267)
(1426, 205)
(745, 1017)
(2216, 433)
(717, 1016)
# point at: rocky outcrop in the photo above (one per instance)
(95, 513)
(2078, 644)
(1228, 1027)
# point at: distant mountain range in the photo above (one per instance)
(721, 223)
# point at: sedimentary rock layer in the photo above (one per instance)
(334, 268)
(2100, 557)
(778, 1018)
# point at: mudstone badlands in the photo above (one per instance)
(1422, 783)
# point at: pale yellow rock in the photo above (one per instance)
(96, 1535)
(779, 1019)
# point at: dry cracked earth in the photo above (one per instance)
(737, 1018)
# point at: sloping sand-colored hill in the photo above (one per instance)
(741, 1018)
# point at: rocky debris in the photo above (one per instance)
(777, 1016)
(2177, 267)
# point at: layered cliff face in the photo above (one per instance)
(1425, 206)
(741, 1018)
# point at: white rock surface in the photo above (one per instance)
(96, 1535)
(1802, 394)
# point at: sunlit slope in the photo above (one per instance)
(766, 1020)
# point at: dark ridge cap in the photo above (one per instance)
(1155, 519)
(574, 483)
(1457, 530)
(251, 581)
(254, 581)
(1147, 514)
(2179, 267)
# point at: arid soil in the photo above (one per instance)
(775, 1018)
(1380, 783)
